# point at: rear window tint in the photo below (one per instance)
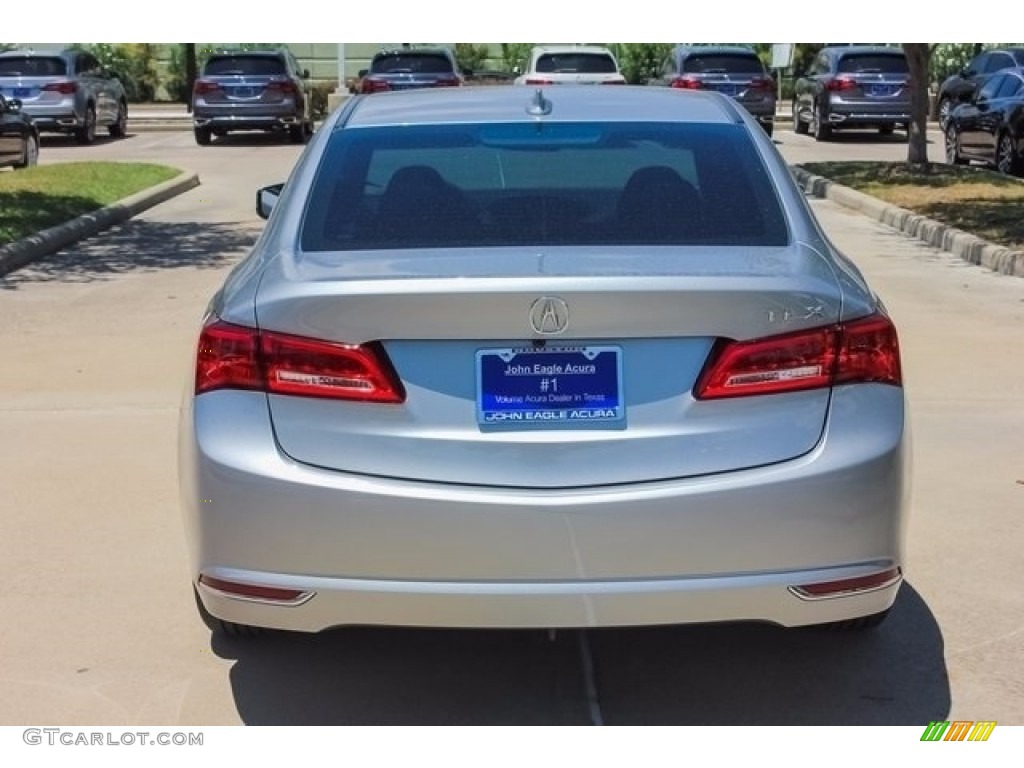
(510, 184)
(32, 66)
(576, 62)
(414, 63)
(723, 63)
(244, 65)
(887, 64)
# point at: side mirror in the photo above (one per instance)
(363, 72)
(266, 199)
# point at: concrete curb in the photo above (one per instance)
(19, 253)
(968, 247)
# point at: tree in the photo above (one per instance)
(191, 71)
(918, 58)
(514, 55)
(471, 57)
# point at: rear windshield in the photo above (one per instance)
(504, 184)
(245, 65)
(577, 62)
(417, 63)
(724, 63)
(867, 63)
(32, 66)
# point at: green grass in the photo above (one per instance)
(984, 203)
(36, 198)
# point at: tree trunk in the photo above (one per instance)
(191, 72)
(918, 57)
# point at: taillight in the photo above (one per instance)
(205, 86)
(285, 86)
(860, 351)
(255, 591)
(539, 81)
(235, 357)
(63, 87)
(443, 82)
(847, 586)
(690, 83)
(372, 85)
(840, 84)
(228, 358)
(762, 84)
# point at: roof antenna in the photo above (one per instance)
(539, 105)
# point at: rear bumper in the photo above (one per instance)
(56, 121)
(246, 122)
(384, 551)
(868, 114)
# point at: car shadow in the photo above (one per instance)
(139, 246)
(853, 136)
(712, 675)
(67, 140)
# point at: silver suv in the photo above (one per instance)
(252, 90)
(65, 92)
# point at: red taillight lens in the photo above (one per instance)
(228, 358)
(690, 83)
(443, 82)
(372, 85)
(311, 368)
(285, 86)
(64, 88)
(539, 81)
(869, 351)
(861, 351)
(235, 357)
(205, 86)
(840, 84)
(762, 84)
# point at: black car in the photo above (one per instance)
(252, 90)
(405, 68)
(19, 137)
(853, 86)
(965, 83)
(990, 127)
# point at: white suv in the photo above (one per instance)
(571, 65)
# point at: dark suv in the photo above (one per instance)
(405, 68)
(732, 70)
(65, 92)
(965, 83)
(853, 86)
(252, 90)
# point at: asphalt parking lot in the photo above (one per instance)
(99, 622)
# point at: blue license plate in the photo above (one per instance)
(22, 93)
(560, 385)
(728, 90)
(882, 90)
(243, 92)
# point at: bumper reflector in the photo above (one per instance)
(255, 591)
(844, 587)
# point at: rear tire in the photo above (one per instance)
(799, 126)
(221, 627)
(120, 127)
(297, 134)
(29, 153)
(203, 136)
(768, 128)
(822, 130)
(86, 134)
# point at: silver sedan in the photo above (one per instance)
(507, 357)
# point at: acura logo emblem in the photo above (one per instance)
(549, 316)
